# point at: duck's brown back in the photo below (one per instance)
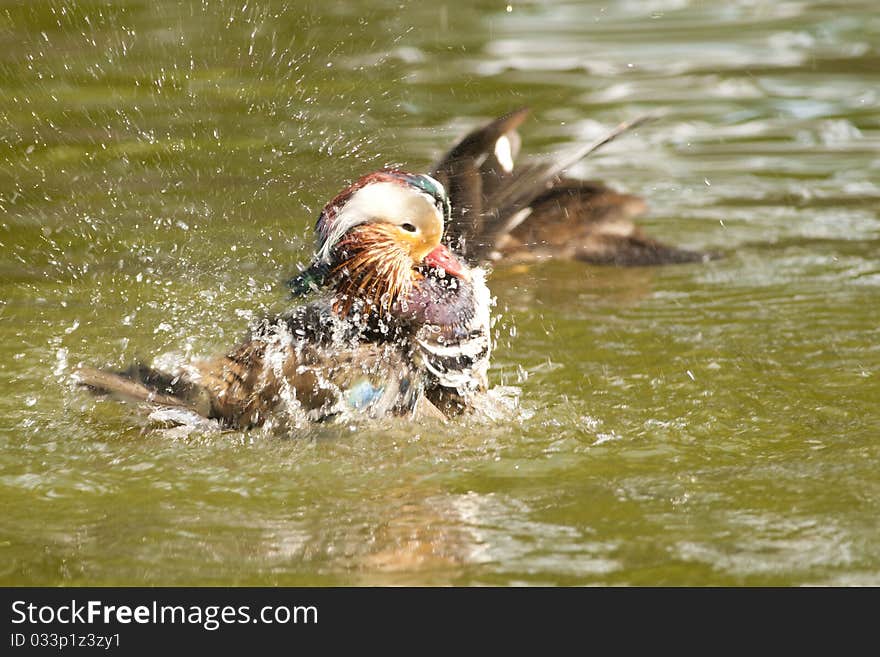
(533, 212)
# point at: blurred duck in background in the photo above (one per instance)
(533, 211)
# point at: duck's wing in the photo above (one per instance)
(473, 171)
(532, 211)
(263, 377)
(588, 221)
(297, 362)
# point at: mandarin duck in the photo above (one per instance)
(398, 324)
(534, 212)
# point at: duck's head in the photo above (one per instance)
(376, 237)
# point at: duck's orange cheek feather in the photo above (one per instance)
(418, 246)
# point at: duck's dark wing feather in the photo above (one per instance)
(532, 211)
(477, 168)
(588, 221)
(298, 358)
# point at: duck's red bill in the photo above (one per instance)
(442, 258)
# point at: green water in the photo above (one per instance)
(161, 165)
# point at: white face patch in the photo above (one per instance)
(504, 153)
(379, 201)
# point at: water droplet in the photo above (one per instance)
(60, 362)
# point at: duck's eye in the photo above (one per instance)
(408, 227)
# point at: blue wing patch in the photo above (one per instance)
(362, 394)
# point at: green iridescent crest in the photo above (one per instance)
(436, 190)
